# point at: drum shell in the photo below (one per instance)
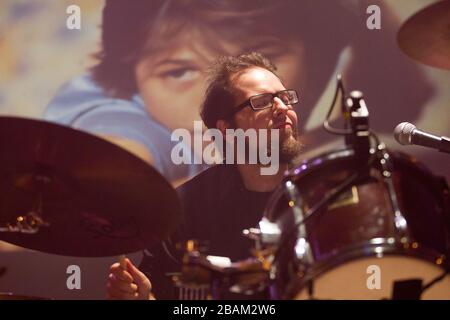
(361, 221)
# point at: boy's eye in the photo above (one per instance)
(181, 74)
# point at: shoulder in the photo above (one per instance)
(83, 104)
(81, 96)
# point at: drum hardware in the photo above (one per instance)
(358, 120)
(302, 247)
(194, 282)
(267, 233)
(31, 222)
(255, 235)
(191, 291)
(210, 277)
(399, 219)
(340, 90)
(354, 111)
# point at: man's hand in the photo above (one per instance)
(126, 282)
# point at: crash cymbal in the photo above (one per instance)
(425, 36)
(68, 192)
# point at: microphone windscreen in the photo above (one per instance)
(403, 132)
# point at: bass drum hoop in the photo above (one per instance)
(375, 248)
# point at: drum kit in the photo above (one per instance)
(334, 223)
(339, 218)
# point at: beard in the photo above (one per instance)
(290, 144)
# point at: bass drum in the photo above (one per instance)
(386, 236)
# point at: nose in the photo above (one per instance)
(279, 108)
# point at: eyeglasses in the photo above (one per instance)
(265, 100)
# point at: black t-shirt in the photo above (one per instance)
(217, 208)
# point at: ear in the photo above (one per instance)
(222, 125)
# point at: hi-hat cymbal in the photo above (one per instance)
(72, 193)
(425, 36)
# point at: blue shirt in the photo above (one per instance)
(83, 105)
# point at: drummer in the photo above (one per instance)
(227, 198)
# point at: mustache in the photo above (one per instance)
(291, 130)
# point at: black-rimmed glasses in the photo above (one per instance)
(265, 100)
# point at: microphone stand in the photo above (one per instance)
(358, 120)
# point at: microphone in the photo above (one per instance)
(406, 133)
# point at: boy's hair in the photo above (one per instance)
(220, 95)
(133, 29)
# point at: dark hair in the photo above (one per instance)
(132, 29)
(220, 94)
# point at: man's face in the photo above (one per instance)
(255, 81)
(172, 82)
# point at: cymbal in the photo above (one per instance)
(425, 36)
(71, 193)
(11, 296)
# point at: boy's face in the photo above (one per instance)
(172, 82)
